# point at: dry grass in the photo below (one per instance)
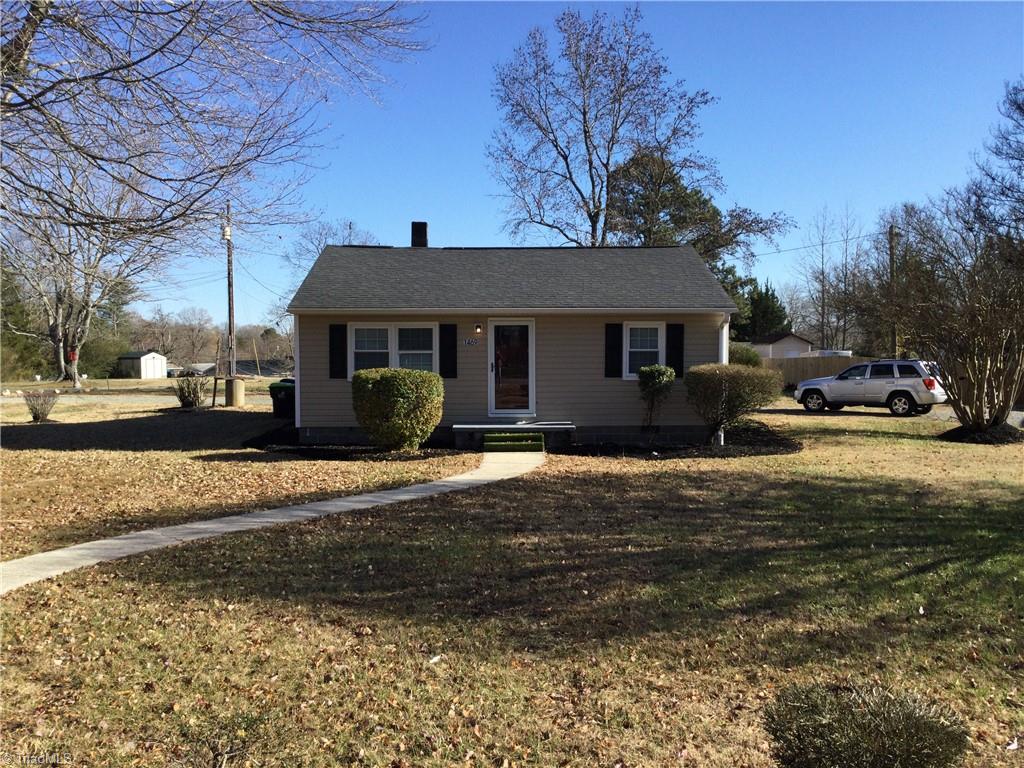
(598, 612)
(108, 468)
(253, 384)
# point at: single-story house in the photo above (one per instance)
(142, 365)
(541, 336)
(781, 344)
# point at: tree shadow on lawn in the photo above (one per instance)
(787, 572)
(170, 429)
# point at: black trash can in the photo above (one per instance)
(282, 395)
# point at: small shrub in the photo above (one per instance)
(40, 402)
(655, 386)
(744, 354)
(398, 408)
(722, 394)
(191, 390)
(813, 726)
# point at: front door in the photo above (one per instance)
(510, 350)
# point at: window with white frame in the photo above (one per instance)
(644, 345)
(394, 345)
(371, 348)
(416, 348)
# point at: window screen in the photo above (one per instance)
(643, 348)
(416, 348)
(370, 349)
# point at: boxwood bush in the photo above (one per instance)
(655, 386)
(743, 354)
(722, 394)
(398, 408)
(814, 726)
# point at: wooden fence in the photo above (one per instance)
(796, 369)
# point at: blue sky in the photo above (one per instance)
(859, 105)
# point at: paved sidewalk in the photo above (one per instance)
(45, 565)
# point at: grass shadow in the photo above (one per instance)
(556, 562)
(169, 429)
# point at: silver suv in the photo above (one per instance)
(905, 387)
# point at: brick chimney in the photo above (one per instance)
(419, 234)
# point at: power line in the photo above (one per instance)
(261, 283)
(818, 245)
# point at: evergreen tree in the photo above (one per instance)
(651, 205)
(767, 314)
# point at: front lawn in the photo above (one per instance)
(109, 466)
(597, 612)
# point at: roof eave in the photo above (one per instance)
(531, 310)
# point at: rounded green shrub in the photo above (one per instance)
(744, 354)
(815, 726)
(723, 394)
(398, 408)
(655, 386)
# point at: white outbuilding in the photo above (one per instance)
(142, 365)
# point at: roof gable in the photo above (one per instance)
(774, 338)
(348, 278)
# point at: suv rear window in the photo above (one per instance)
(908, 371)
(883, 371)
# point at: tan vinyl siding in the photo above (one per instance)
(570, 380)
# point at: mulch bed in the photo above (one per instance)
(747, 438)
(1004, 434)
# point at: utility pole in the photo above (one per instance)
(234, 387)
(226, 235)
(893, 335)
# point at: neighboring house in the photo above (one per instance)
(534, 335)
(142, 365)
(782, 344)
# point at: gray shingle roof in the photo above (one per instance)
(374, 278)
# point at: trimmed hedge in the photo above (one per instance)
(722, 394)
(655, 386)
(744, 354)
(813, 726)
(398, 408)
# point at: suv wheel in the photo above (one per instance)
(814, 401)
(902, 404)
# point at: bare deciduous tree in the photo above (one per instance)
(185, 104)
(197, 332)
(830, 269)
(1002, 171)
(315, 236)
(126, 126)
(963, 303)
(69, 272)
(569, 121)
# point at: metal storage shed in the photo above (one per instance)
(142, 365)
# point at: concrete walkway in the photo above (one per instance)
(45, 565)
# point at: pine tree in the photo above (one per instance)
(767, 314)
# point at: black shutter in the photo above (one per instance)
(613, 350)
(448, 352)
(674, 348)
(337, 351)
